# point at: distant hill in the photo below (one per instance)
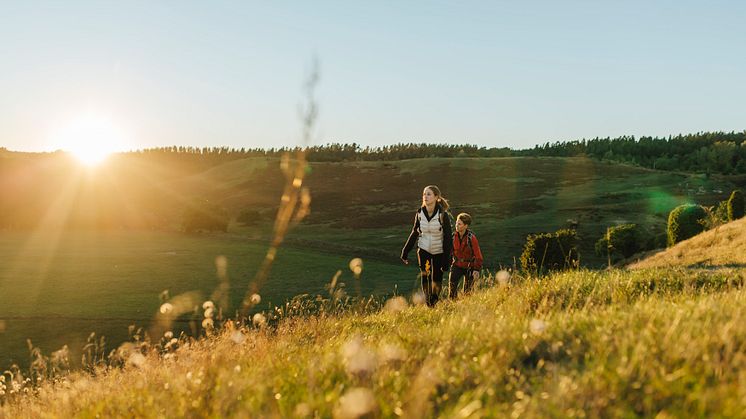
(724, 246)
(360, 204)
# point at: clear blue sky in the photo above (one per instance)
(489, 73)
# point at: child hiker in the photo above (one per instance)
(432, 233)
(467, 256)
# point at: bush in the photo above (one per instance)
(250, 217)
(716, 215)
(622, 241)
(735, 205)
(685, 221)
(546, 252)
(205, 217)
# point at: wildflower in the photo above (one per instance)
(537, 326)
(356, 266)
(168, 335)
(418, 298)
(503, 277)
(359, 360)
(238, 337)
(209, 313)
(167, 308)
(302, 410)
(208, 304)
(396, 304)
(391, 353)
(356, 403)
(207, 323)
(136, 359)
(259, 319)
(256, 299)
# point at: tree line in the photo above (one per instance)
(704, 152)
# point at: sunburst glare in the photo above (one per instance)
(90, 138)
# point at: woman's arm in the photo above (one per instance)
(412, 239)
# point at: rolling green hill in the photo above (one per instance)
(359, 209)
(665, 341)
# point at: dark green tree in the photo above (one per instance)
(685, 221)
(735, 205)
(546, 252)
(620, 241)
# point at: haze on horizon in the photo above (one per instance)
(497, 74)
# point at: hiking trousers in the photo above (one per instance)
(455, 277)
(431, 267)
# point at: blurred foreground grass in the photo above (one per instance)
(669, 342)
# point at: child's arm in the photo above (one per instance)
(478, 259)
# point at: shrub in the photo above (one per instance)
(545, 252)
(622, 241)
(685, 221)
(716, 215)
(205, 218)
(250, 217)
(735, 205)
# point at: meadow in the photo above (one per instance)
(58, 286)
(665, 342)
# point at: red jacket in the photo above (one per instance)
(466, 255)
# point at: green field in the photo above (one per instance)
(58, 288)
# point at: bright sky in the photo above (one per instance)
(492, 73)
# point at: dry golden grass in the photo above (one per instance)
(666, 342)
(722, 246)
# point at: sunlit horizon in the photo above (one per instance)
(90, 138)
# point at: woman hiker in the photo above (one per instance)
(432, 234)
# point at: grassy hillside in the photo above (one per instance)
(361, 204)
(79, 282)
(724, 246)
(581, 344)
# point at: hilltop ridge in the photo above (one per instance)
(723, 246)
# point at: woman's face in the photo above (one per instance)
(428, 197)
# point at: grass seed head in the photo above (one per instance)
(166, 308)
(396, 304)
(418, 298)
(356, 266)
(237, 337)
(356, 403)
(259, 320)
(503, 277)
(537, 326)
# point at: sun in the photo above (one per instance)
(90, 138)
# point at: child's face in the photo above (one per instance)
(460, 226)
